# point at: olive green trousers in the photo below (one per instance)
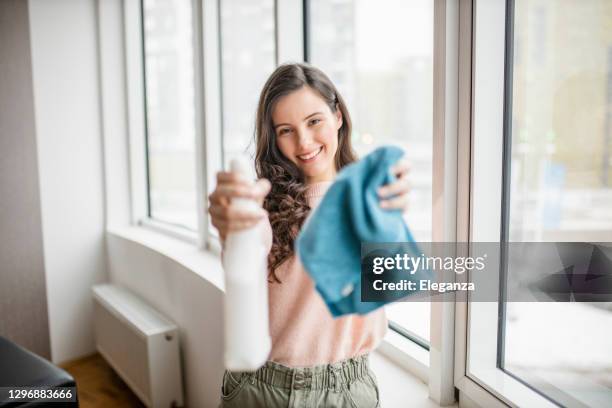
(348, 383)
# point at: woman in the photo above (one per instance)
(302, 133)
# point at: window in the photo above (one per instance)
(560, 189)
(389, 91)
(554, 152)
(203, 72)
(248, 57)
(170, 114)
(533, 143)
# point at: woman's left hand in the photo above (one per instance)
(395, 195)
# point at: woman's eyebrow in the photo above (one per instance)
(305, 119)
(312, 114)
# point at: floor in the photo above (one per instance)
(99, 386)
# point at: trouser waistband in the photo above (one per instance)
(323, 376)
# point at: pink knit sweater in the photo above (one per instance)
(303, 331)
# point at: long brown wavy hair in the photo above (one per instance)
(286, 203)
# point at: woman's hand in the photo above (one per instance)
(395, 195)
(225, 217)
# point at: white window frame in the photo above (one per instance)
(289, 47)
(448, 157)
(476, 375)
(134, 66)
(135, 91)
(210, 139)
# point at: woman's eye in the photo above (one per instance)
(283, 131)
(315, 121)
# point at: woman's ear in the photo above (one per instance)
(338, 117)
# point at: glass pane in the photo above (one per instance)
(561, 188)
(389, 92)
(170, 111)
(248, 57)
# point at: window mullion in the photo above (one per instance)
(289, 31)
(444, 199)
(200, 133)
(477, 375)
(210, 88)
(136, 110)
(464, 152)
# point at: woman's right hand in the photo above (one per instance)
(225, 217)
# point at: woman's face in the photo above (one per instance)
(307, 133)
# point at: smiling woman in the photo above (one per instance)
(300, 111)
(303, 131)
(308, 135)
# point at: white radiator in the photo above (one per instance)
(140, 344)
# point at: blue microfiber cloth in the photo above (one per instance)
(329, 244)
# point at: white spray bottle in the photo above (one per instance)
(247, 334)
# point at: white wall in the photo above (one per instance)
(67, 112)
(192, 301)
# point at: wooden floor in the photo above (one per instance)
(99, 386)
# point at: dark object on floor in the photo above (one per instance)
(22, 368)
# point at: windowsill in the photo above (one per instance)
(399, 387)
(396, 350)
(201, 262)
(406, 354)
(182, 233)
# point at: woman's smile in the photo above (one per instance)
(310, 156)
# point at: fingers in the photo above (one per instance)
(229, 177)
(225, 227)
(399, 187)
(401, 167)
(395, 195)
(230, 215)
(396, 203)
(216, 198)
(261, 189)
(231, 190)
(230, 185)
(227, 218)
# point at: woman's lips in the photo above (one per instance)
(307, 158)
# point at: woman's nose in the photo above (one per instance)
(305, 138)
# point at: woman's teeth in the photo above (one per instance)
(311, 155)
